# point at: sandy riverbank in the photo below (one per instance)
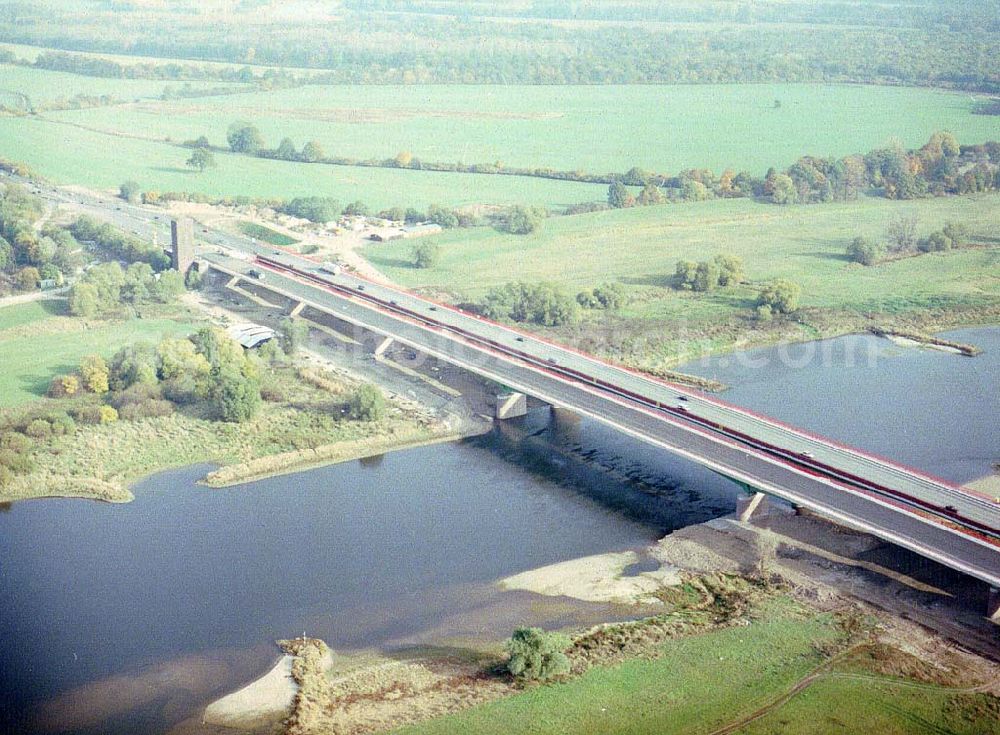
(266, 700)
(305, 459)
(599, 578)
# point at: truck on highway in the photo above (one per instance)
(332, 268)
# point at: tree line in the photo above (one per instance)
(941, 166)
(954, 45)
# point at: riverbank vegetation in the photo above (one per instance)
(94, 405)
(727, 651)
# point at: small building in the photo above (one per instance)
(250, 336)
(421, 230)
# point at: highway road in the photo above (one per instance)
(837, 481)
(675, 433)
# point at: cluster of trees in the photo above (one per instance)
(939, 167)
(105, 287)
(723, 270)
(610, 296)
(901, 241)
(146, 380)
(778, 297)
(112, 242)
(535, 655)
(948, 44)
(29, 254)
(541, 303)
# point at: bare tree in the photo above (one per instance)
(901, 233)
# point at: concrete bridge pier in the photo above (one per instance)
(993, 604)
(297, 309)
(511, 405)
(748, 505)
(382, 347)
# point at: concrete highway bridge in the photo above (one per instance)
(897, 504)
(926, 515)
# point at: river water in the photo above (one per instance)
(127, 618)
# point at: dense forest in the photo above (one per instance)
(944, 43)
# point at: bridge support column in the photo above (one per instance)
(747, 506)
(233, 281)
(511, 405)
(383, 346)
(298, 309)
(993, 604)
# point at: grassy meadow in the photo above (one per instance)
(594, 128)
(695, 685)
(640, 247)
(38, 341)
(42, 86)
(71, 155)
(706, 681)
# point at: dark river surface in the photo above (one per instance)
(129, 618)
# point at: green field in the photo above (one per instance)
(595, 129)
(43, 86)
(30, 358)
(266, 234)
(834, 705)
(640, 247)
(708, 681)
(699, 683)
(70, 155)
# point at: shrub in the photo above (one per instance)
(781, 296)
(367, 403)
(181, 390)
(63, 423)
(135, 394)
(957, 233)
(108, 415)
(95, 373)
(15, 442)
(88, 414)
(64, 385)
(17, 462)
(934, 243)
(6, 476)
(865, 251)
(152, 408)
(38, 429)
(425, 255)
(536, 655)
(27, 279)
(130, 191)
(519, 220)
